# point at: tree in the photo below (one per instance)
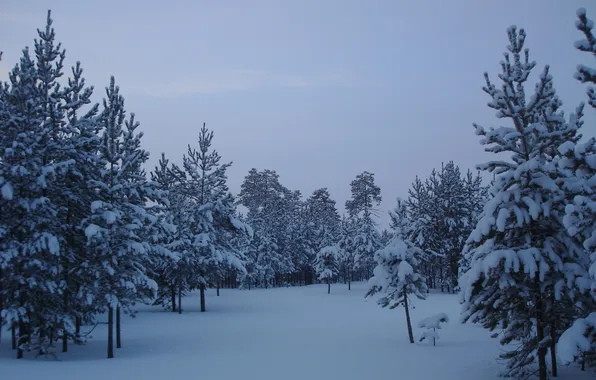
(578, 166)
(119, 216)
(346, 247)
(211, 214)
(326, 264)
(397, 274)
(33, 165)
(366, 196)
(519, 249)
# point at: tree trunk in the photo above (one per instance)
(328, 286)
(410, 333)
(22, 338)
(180, 297)
(78, 323)
(202, 293)
(118, 339)
(173, 295)
(64, 338)
(218, 288)
(13, 330)
(110, 332)
(64, 332)
(350, 280)
(553, 351)
(434, 338)
(542, 370)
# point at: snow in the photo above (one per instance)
(573, 341)
(7, 191)
(270, 334)
(434, 322)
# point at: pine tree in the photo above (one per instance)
(366, 196)
(397, 274)
(346, 247)
(119, 216)
(518, 248)
(32, 168)
(211, 215)
(578, 166)
(327, 264)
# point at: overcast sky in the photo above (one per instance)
(318, 90)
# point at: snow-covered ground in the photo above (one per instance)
(282, 334)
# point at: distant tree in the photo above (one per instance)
(366, 197)
(211, 214)
(327, 264)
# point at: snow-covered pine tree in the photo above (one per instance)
(578, 166)
(366, 196)
(519, 250)
(327, 264)
(76, 193)
(346, 247)
(119, 216)
(211, 214)
(476, 197)
(420, 231)
(32, 168)
(264, 196)
(397, 275)
(166, 244)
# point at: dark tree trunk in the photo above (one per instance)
(173, 295)
(21, 339)
(553, 351)
(118, 330)
(64, 332)
(110, 332)
(410, 333)
(202, 294)
(64, 339)
(350, 280)
(78, 323)
(218, 288)
(13, 330)
(542, 370)
(180, 297)
(328, 286)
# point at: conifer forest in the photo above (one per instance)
(169, 270)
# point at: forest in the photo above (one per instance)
(87, 230)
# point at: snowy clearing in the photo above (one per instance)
(283, 333)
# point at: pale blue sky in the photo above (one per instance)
(318, 90)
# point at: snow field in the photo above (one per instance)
(276, 334)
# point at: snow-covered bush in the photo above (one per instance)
(432, 324)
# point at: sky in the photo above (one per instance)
(317, 90)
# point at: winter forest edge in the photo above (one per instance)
(86, 232)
